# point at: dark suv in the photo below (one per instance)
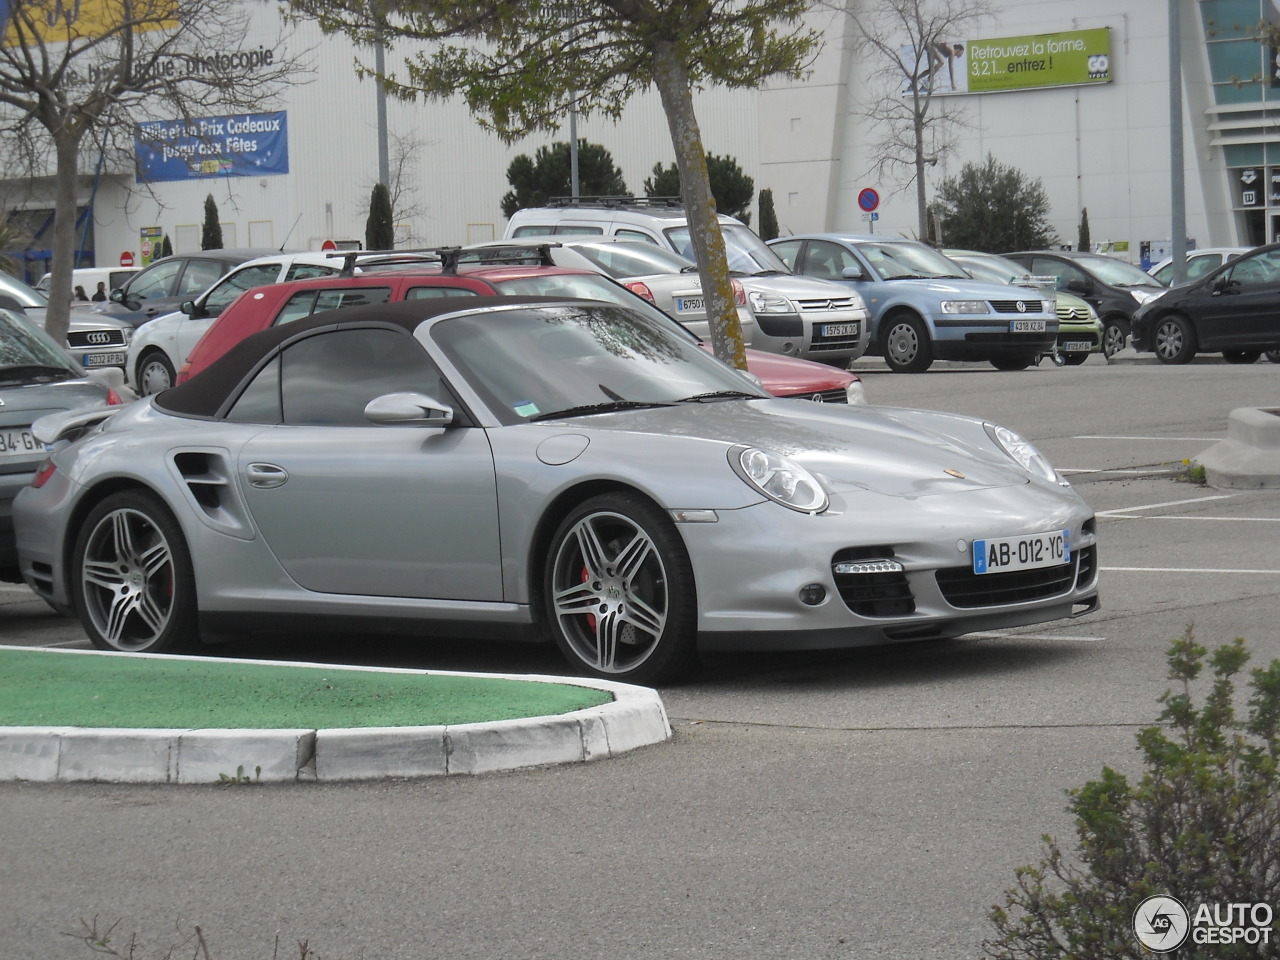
(1114, 288)
(162, 286)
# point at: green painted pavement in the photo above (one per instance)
(66, 688)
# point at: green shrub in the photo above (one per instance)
(1202, 825)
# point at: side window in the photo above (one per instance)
(260, 402)
(1065, 272)
(578, 228)
(330, 378)
(236, 283)
(1197, 267)
(789, 251)
(296, 307)
(199, 276)
(825, 260)
(352, 297)
(1165, 273)
(154, 282)
(308, 271)
(1255, 270)
(534, 230)
(429, 293)
(624, 234)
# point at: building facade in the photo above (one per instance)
(1028, 84)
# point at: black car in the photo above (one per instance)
(1114, 288)
(161, 287)
(1234, 310)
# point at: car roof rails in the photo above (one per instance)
(511, 254)
(447, 257)
(616, 202)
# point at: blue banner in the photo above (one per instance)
(243, 145)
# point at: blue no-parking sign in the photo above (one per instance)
(868, 199)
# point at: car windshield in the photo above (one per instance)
(627, 259)
(1117, 273)
(539, 363)
(27, 296)
(991, 268)
(587, 286)
(908, 261)
(748, 255)
(27, 353)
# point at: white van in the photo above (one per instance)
(88, 278)
(814, 319)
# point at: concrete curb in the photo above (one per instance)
(635, 718)
(1249, 458)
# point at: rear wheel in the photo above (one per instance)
(1175, 339)
(154, 374)
(1014, 362)
(618, 592)
(1241, 356)
(1115, 333)
(132, 582)
(907, 348)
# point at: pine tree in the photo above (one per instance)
(379, 230)
(1083, 243)
(211, 233)
(768, 218)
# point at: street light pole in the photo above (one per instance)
(1177, 179)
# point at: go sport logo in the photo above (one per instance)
(1162, 924)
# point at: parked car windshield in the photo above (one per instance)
(536, 364)
(991, 268)
(1118, 273)
(748, 255)
(23, 347)
(587, 286)
(908, 261)
(633, 259)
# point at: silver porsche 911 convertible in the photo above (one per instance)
(541, 468)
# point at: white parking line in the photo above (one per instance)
(1187, 570)
(1173, 439)
(1003, 634)
(1166, 503)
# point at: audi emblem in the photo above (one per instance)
(100, 336)
(1022, 307)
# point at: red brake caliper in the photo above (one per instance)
(591, 617)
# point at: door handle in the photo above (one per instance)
(264, 476)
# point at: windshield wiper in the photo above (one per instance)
(21, 371)
(721, 395)
(589, 408)
(909, 276)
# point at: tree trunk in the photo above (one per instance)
(695, 188)
(58, 316)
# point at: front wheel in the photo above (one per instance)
(1115, 334)
(155, 374)
(907, 348)
(1175, 340)
(132, 582)
(618, 592)
(1241, 356)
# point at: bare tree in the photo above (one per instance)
(77, 79)
(403, 158)
(916, 42)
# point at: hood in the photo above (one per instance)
(968, 289)
(890, 451)
(791, 285)
(781, 374)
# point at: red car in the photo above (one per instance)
(410, 279)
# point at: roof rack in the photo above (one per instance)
(447, 257)
(510, 254)
(615, 202)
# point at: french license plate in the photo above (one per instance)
(1022, 553)
(690, 304)
(18, 442)
(840, 330)
(104, 360)
(1075, 346)
(1026, 326)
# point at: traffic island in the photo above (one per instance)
(77, 715)
(1249, 457)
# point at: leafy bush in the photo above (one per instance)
(1201, 825)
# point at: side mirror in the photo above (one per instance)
(408, 408)
(852, 273)
(188, 307)
(117, 295)
(1076, 285)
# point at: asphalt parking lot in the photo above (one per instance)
(869, 804)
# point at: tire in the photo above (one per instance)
(1241, 356)
(132, 582)
(907, 348)
(1174, 339)
(618, 591)
(1272, 355)
(1016, 362)
(1074, 359)
(1115, 334)
(154, 374)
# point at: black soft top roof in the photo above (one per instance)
(204, 395)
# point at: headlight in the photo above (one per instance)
(778, 479)
(764, 302)
(1030, 459)
(1093, 314)
(964, 306)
